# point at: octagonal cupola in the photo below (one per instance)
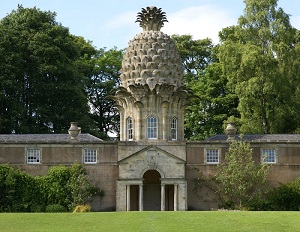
(151, 97)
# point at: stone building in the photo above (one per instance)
(151, 101)
(152, 167)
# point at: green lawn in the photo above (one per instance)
(152, 221)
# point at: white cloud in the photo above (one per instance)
(125, 19)
(200, 22)
(119, 30)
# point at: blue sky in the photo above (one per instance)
(109, 23)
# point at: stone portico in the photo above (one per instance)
(151, 179)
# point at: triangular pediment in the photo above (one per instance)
(152, 152)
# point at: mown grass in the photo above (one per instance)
(152, 221)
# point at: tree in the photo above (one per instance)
(214, 102)
(258, 58)
(100, 86)
(81, 188)
(196, 55)
(41, 79)
(239, 179)
(213, 105)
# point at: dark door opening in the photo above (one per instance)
(169, 197)
(134, 197)
(152, 191)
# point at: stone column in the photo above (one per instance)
(138, 126)
(163, 198)
(175, 197)
(141, 208)
(127, 197)
(180, 127)
(122, 126)
(164, 121)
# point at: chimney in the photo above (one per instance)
(74, 130)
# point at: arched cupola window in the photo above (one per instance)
(129, 125)
(152, 127)
(174, 124)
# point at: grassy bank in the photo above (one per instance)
(151, 221)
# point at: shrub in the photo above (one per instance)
(82, 209)
(63, 186)
(239, 179)
(37, 208)
(286, 197)
(55, 184)
(55, 208)
(16, 190)
(80, 187)
(68, 186)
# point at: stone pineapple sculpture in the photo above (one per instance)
(151, 57)
(151, 81)
(151, 19)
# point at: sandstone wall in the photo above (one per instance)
(286, 169)
(103, 174)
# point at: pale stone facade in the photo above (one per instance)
(152, 100)
(152, 167)
(170, 171)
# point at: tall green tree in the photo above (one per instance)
(41, 79)
(213, 103)
(258, 58)
(196, 55)
(100, 86)
(239, 179)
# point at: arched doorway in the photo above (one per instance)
(152, 190)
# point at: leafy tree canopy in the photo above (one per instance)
(214, 102)
(258, 57)
(100, 86)
(41, 73)
(239, 178)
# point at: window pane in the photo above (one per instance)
(269, 156)
(174, 129)
(33, 156)
(152, 127)
(212, 156)
(129, 128)
(90, 156)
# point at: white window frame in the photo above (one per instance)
(152, 122)
(174, 128)
(129, 127)
(217, 155)
(33, 156)
(89, 156)
(266, 153)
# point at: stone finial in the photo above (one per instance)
(151, 18)
(230, 130)
(74, 130)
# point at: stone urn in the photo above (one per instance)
(74, 130)
(230, 131)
